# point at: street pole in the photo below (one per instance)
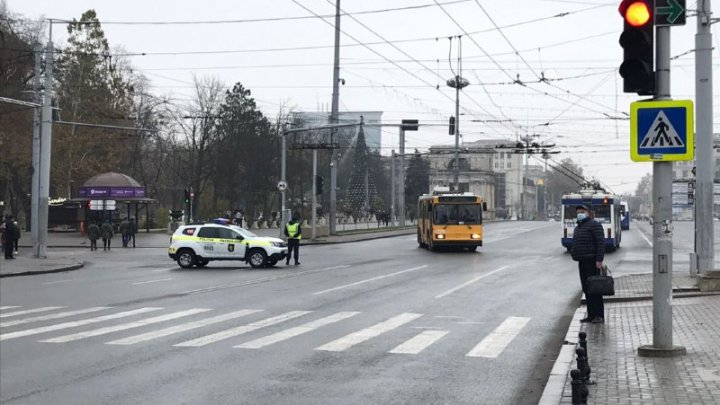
(457, 135)
(392, 188)
(334, 120)
(35, 192)
(704, 231)
(45, 148)
(662, 223)
(401, 180)
(283, 167)
(314, 196)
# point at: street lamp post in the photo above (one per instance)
(458, 82)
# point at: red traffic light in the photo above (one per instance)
(636, 13)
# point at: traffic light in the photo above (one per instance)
(187, 196)
(452, 125)
(638, 43)
(319, 183)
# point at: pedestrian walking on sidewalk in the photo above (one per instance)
(16, 240)
(293, 231)
(93, 234)
(106, 231)
(589, 251)
(8, 237)
(132, 230)
(123, 229)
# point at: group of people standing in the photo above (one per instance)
(127, 229)
(10, 237)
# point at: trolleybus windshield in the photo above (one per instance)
(457, 214)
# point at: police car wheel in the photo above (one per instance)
(185, 258)
(202, 262)
(257, 258)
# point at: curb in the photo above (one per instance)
(555, 385)
(682, 293)
(55, 270)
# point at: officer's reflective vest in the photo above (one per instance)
(292, 229)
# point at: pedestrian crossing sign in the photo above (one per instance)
(661, 131)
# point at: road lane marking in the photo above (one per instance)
(182, 327)
(28, 311)
(360, 336)
(646, 239)
(73, 324)
(125, 326)
(53, 316)
(369, 280)
(59, 281)
(500, 338)
(463, 285)
(9, 307)
(420, 342)
(296, 331)
(152, 281)
(226, 334)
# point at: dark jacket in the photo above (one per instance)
(588, 241)
(106, 231)
(93, 232)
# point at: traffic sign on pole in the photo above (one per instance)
(282, 185)
(661, 131)
(669, 12)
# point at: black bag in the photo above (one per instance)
(602, 284)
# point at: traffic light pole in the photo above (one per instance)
(704, 232)
(334, 120)
(662, 345)
(313, 216)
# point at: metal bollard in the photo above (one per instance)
(579, 389)
(583, 366)
(583, 341)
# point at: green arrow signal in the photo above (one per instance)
(673, 10)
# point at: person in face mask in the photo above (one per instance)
(589, 250)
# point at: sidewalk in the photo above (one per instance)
(621, 375)
(26, 265)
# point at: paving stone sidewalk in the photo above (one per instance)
(625, 378)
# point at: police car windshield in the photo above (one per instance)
(244, 232)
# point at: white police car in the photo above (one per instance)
(197, 245)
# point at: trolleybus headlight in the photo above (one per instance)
(475, 236)
(440, 236)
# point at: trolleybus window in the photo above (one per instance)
(601, 213)
(457, 214)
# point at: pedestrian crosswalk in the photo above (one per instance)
(199, 327)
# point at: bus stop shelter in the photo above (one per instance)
(128, 195)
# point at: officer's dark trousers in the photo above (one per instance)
(293, 246)
(595, 306)
(106, 243)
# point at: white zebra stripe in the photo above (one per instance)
(420, 342)
(181, 328)
(499, 339)
(65, 325)
(125, 326)
(52, 316)
(226, 334)
(368, 333)
(28, 311)
(296, 331)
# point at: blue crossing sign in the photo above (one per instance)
(661, 131)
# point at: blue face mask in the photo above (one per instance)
(581, 216)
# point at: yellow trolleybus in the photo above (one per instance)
(450, 220)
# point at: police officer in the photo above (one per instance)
(589, 250)
(293, 232)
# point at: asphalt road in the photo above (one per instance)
(368, 322)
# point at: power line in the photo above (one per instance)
(255, 20)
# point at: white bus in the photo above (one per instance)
(604, 208)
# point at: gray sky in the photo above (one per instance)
(578, 53)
